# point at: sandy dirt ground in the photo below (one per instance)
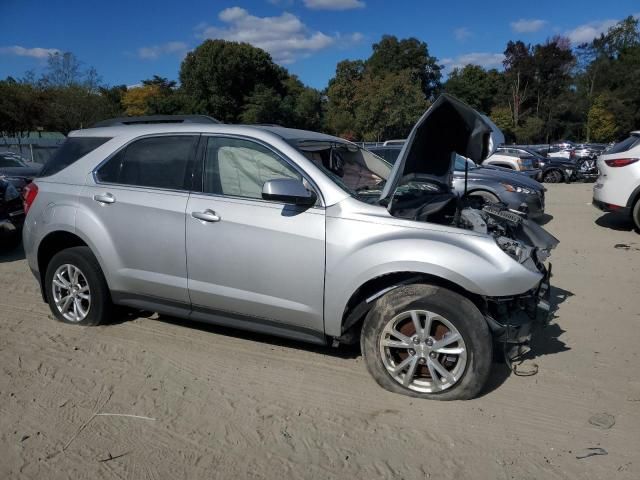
(225, 404)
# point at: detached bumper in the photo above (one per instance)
(512, 319)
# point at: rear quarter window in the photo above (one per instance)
(73, 149)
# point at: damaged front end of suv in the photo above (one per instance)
(419, 188)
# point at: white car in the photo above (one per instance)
(618, 186)
(511, 158)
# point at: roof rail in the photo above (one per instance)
(151, 119)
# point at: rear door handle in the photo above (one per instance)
(106, 198)
(206, 216)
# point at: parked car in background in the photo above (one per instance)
(13, 165)
(11, 214)
(513, 159)
(491, 184)
(617, 189)
(394, 142)
(298, 234)
(551, 170)
(562, 150)
(516, 191)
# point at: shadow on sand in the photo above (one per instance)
(615, 221)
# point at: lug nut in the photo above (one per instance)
(412, 352)
(432, 354)
(423, 361)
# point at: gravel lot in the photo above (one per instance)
(226, 404)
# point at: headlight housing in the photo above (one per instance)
(517, 188)
(11, 193)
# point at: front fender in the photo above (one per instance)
(361, 251)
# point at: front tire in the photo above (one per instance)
(487, 197)
(76, 289)
(427, 342)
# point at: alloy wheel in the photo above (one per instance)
(71, 292)
(423, 351)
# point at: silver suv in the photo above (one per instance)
(297, 234)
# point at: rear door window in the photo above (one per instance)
(73, 149)
(155, 162)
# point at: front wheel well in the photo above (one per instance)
(53, 243)
(357, 306)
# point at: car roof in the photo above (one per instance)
(288, 134)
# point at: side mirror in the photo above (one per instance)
(288, 190)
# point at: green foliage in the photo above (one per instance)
(388, 106)
(391, 55)
(602, 121)
(221, 76)
(475, 86)
(236, 82)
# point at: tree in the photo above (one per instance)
(393, 55)
(221, 76)
(341, 94)
(475, 86)
(388, 106)
(553, 62)
(22, 107)
(602, 122)
(519, 73)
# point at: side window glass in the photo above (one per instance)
(240, 168)
(110, 171)
(157, 162)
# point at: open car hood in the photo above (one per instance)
(449, 126)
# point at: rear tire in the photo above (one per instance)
(447, 356)
(553, 176)
(76, 289)
(635, 215)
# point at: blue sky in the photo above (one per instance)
(127, 41)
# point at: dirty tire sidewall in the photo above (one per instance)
(83, 258)
(635, 215)
(458, 310)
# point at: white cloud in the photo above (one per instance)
(155, 51)
(483, 59)
(462, 34)
(589, 31)
(37, 52)
(528, 25)
(333, 4)
(281, 3)
(285, 37)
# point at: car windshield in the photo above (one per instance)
(352, 168)
(460, 161)
(10, 161)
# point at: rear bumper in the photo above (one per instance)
(609, 207)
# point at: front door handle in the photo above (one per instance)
(206, 216)
(106, 198)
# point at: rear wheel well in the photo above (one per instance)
(357, 308)
(52, 244)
